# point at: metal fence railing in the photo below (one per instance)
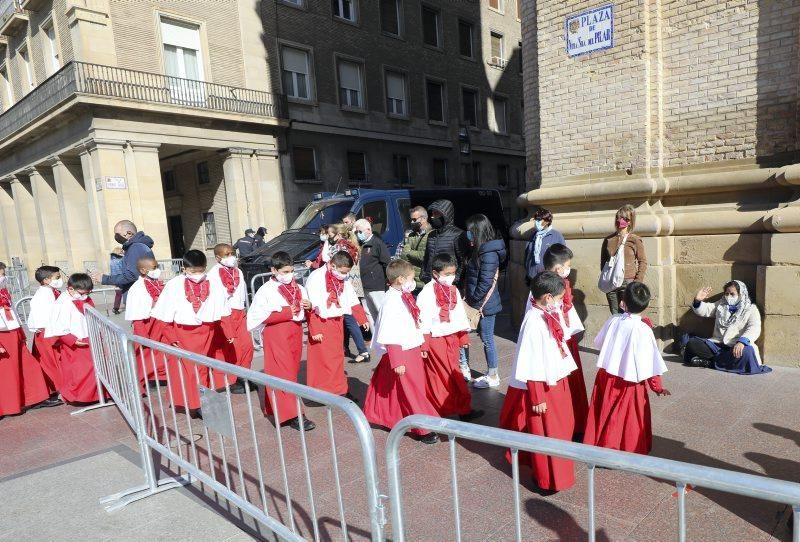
(228, 448)
(170, 268)
(682, 474)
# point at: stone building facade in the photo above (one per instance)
(692, 117)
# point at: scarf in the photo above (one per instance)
(230, 279)
(5, 303)
(567, 302)
(56, 293)
(80, 304)
(537, 244)
(293, 296)
(737, 311)
(154, 288)
(554, 326)
(334, 287)
(196, 292)
(411, 305)
(446, 299)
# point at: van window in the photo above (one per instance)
(377, 213)
(404, 208)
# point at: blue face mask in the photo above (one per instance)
(470, 237)
(361, 236)
(539, 225)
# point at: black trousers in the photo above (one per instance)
(697, 348)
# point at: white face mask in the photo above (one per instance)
(409, 286)
(338, 275)
(732, 299)
(196, 278)
(79, 297)
(228, 261)
(154, 273)
(564, 273)
(447, 280)
(57, 284)
(284, 278)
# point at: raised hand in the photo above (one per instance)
(703, 293)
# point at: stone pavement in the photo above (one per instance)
(54, 467)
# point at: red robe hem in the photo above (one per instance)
(444, 383)
(577, 388)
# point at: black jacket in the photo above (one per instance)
(449, 239)
(374, 259)
(245, 246)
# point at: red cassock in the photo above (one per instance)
(282, 339)
(150, 365)
(241, 351)
(444, 383)
(325, 364)
(45, 351)
(577, 388)
(185, 377)
(78, 384)
(550, 473)
(390, 397)
(22, 383)
(619, 415)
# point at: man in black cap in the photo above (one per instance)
(244, 246)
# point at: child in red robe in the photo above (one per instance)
(279, 308)
(629, 362)
(78, 380)
(238, 345)
(41, 311)
(446, 327)
(538, 398)
(139, 303)
(397, 388)
(331, 296)
(558, 259)
(22, 383)
(192, 310)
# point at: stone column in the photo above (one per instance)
(270, 186)
(80, 238)
(147, 194)
(240, 191)
(32, 243)
(12, 236)
(779, 299)
(48, 214)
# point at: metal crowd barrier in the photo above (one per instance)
(226, 449)
(170, 268)
(682, 474)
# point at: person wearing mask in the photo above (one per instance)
(374, 259)
(544, 236)
(635, 257)
(416, 239)
(445, 237)
(480, 291)
(244, 246)
(135, 245)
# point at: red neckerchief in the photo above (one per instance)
(230, 278)
(554, 326)
(411, 305)
(80, 304)
(567, 306)
(5, 303)
(334, 287)
(56, 293)
(154, 288)
(446, 299)
(196, 292)
(647, 321)
(292, 294)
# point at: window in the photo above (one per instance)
(211, 229)
(466, 33)
(377, 213)
(350, 85)
(52, 60)
(401, 164)
(440, 171)
(430, 27)
(435, 94)
(6, 97)
(168, 181)
(477, 177)
(391, 17)
(503, 175)
(202, 173)
(500, 124)
(345, 9)
(296, 73)
(469, 105)
(181, 50)
(497, 49)
(496, 5)
(396, 103)
(25, 68)
(357, 167)
(304, 161)
(298, 3)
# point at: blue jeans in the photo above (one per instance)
(486, 331)
(351, 328)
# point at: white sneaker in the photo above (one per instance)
(467, 372)
(487, 381)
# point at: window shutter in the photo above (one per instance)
(349, 75)
(295, 60)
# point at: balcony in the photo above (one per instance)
(12, 17)
(33, 5)
(120, 87)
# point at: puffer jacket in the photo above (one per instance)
(480, 275)
(138, 246)
(449, 239)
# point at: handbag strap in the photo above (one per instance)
(491, 291)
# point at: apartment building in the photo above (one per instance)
(200, 118)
